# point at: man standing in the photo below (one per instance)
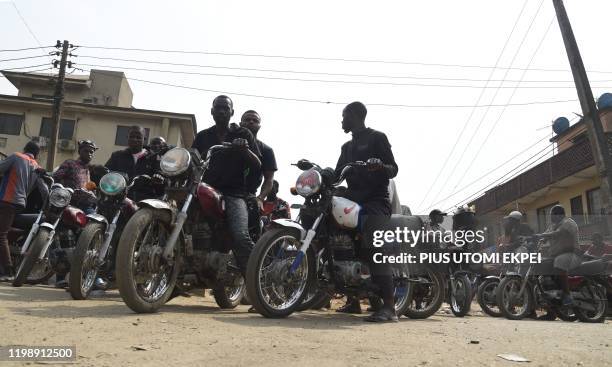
(74, 173)
(228, 171)
(369, 187)
(128, 160)
(20, 176)
(252, 121)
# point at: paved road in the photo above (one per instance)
(193, 331)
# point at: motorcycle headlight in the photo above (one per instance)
(112, 184)
(308, 183)
(60, 197)
(175, 162)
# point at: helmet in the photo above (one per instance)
(436, 213)
(515, 214)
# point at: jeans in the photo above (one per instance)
(237, 218)
(7, 214)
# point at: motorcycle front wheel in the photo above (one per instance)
(461, 298)
(228, 297)
(83, 269)
(30, 258)
(595, 296)
(427, 295)
(146, 280)
(273, 289)
(487, 299)
(513, 304)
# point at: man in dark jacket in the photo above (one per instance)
(129, 160)
(228, 171)
(369, 187)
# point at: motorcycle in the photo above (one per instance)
(180, 242)
(519, 294)
(95, 250)
(53, 234)
(294, 263)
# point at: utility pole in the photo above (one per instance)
(58, 103)
(597, 137)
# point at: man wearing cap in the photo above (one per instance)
(19, 178)
(514, 229)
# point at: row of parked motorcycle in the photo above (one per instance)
(156, 249)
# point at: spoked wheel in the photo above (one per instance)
(228, 297)
(42, 270)
(427, 295)
(144, 278)
(273, 287)
(30, 261)
(84, 269)
(403, 296)
(461, 297)
(595, 296)
(513, 304)
(487, 298)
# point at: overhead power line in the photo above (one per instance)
(24, 58)
(292, 71)
(399, 62)
(25, 67)
(335, 81)
(25, 49)
(335, 102)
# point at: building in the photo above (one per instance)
(97, 106)
(568, 178)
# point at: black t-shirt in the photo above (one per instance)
(228, 168)
(364, 185)
(268, 163)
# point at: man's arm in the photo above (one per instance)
(386, 156)
(266, 186)
(342, 161)
(62, 172)
(268, 167)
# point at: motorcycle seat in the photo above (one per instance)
(24, 221)
(592, 267)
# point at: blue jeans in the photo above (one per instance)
(237, 218)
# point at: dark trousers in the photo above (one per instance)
(237, 218)
(7, 215)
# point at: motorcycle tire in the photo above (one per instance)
(34, 277)
(79, 286)
(528, 302)
(437, 290)
(130, 238)
(461, 304)
(486, 297)
(256, 260)
(599, 315)
(31, 257)
(314, 301)
(229, 297)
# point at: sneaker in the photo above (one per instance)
(383, 315)
(252, 310)
(350, 307)
(100, 285)
(61, 284)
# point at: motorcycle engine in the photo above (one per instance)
(352, 273)
(201, 235)
(343, 247)
(214, 264)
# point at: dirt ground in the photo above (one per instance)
(193, 331)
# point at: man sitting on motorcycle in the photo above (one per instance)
(370, 189)
(513, 230)
(19, 177)
(74, 173)
(563, 237)
(229, 170)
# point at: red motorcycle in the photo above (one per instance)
(180, 242)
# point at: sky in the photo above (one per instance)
(419, 67)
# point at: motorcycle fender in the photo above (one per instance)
(291, 224)
(158, 204)
(97, 218)
(49, 226)
(492, 277)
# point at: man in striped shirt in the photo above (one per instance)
(20, 176)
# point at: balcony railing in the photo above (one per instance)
(566, 163)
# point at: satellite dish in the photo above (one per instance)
(560, 125)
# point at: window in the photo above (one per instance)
(544, 217)
(594, 205)
(121, 138)
(66, 129)
(10, 124)
(577, 210)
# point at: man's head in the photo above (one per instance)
(222, 110)
(87, 149)
(251, 120)
(557, 213)
(597, 239)
(353, 116)
(436, 216)
(32, 148)
(136, 136)
(157, 144)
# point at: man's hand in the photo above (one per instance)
(374, 164)
(260, 204)
(240, 143)
(41, 171)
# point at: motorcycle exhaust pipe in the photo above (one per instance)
(176, 231)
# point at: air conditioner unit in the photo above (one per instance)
(66, 145)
